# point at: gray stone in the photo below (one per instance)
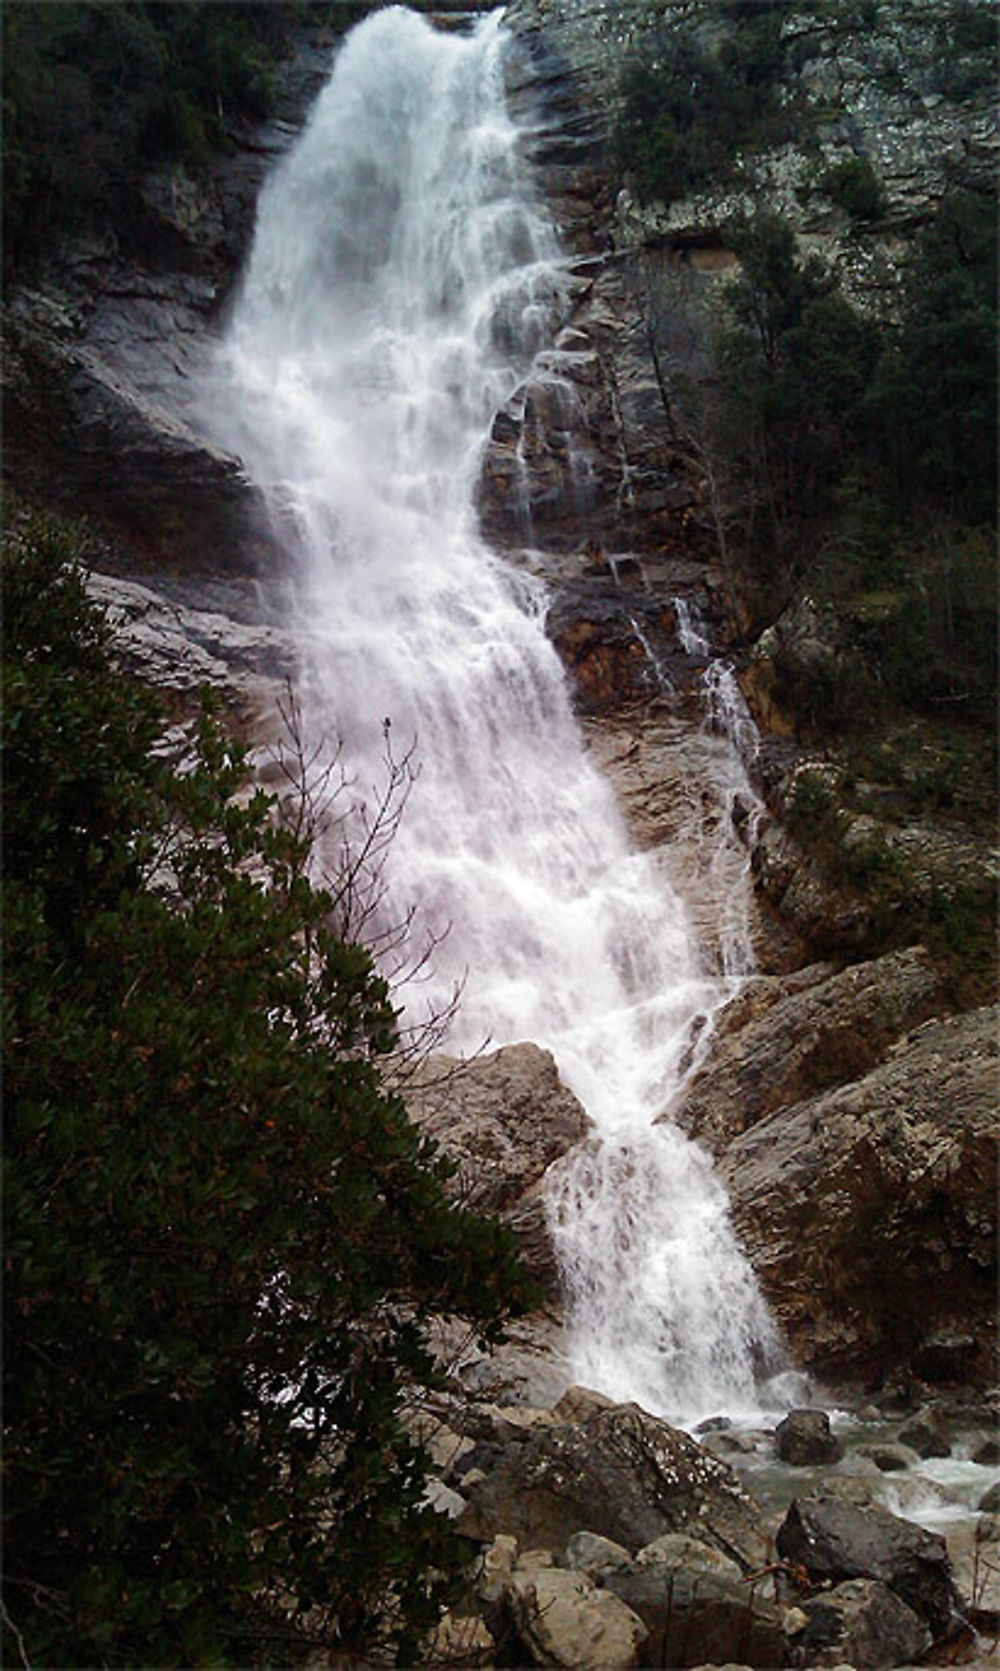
(870, 1211)
(863, 1623)
(805, 1439)
(586, 1552)
(460, 1641)
(443, 1500)
(578, 1403)
(494, 1567)
(677, 1550)
(622, 1474)
(504, 1118)
(82, 439)
(927, 1434)
(564, 1620)
(887, 1457)
(694, 1614)
(179, 644)
(835, 1541)
(806, 1041)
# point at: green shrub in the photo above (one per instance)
(95, 92)
(855, 187)
(688, 107)
(222, 1232)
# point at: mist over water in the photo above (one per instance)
(401, 282)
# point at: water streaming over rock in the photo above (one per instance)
(402, 280)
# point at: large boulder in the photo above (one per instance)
(563, 1619)
(504, 1118)
(806, 1040)
(622, 1474)
(834, 1541)
(861, 1623)
(805, 1439)
(693, 1614)
(869, 1211)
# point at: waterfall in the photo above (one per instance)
(402, 280)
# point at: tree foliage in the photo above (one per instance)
(689, 103)
(795, 362)
(933, 404)
(97, 92)
(222, 1231)
(852, 455)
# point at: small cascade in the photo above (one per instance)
(734, 744)
(727, 712)
(656, 666)
(690, 636)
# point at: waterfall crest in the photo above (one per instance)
(402, 280)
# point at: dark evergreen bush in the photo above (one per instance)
(95, 92)
(690, 104)
(854, 185)
(222, 1232)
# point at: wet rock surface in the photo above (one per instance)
(805, 1438)
(836, 1540)
(870, 1209)
(181, 636)
(691, 1614)
(804, 1038)
(563, 1619)
(622, 1474)
(847, 1583)
(103, 351)
(80, 438)
(861, 1623)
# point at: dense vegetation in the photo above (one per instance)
(709, 84)
(221, 1230)
(846, 455)
(690, 103)
(860, 458)
(96, 92)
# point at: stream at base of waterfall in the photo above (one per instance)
(402, 280)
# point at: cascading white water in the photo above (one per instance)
(401, 282)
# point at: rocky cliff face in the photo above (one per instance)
(586, 461)
(102, 348)
(827, 1104)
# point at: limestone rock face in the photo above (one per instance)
(835, 1540)
(180, 636)
(81, 437)
(870, 1210)
(623, 1475)
(100, 361)
(885, 96)
(504, 1118)
(805, 1040)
